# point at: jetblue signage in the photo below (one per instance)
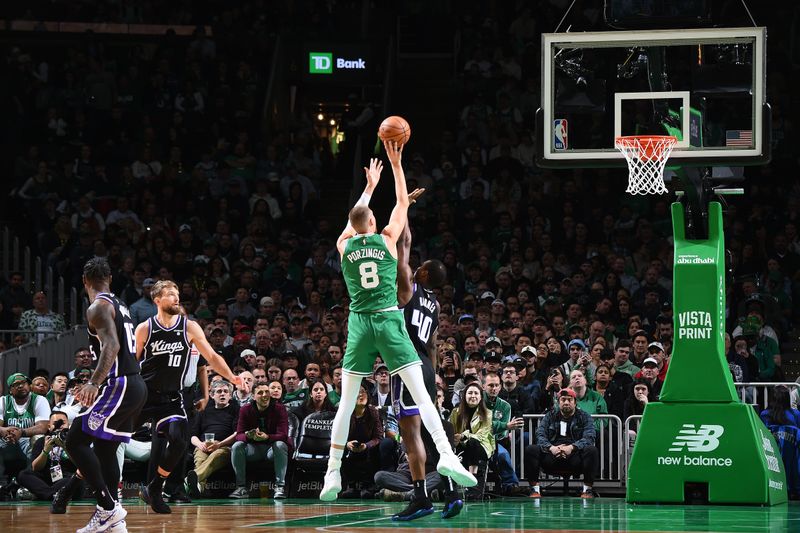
(339, 63)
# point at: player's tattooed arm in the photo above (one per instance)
(101, 320)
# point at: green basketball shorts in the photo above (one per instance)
(372, 334)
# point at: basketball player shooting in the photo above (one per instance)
(376, 325)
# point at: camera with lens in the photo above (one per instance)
(58, 432)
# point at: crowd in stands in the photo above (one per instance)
(559, 286)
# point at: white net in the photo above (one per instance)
(647, 156)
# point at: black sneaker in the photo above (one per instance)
(59, 503)
(452, 507)
(156, 501)
(193, 484)
(9, 492)
(350, 493)
(179, 496)
(473, 494)
(416, 509)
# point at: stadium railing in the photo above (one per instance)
(55, 353)
(609, 440)
(38, 276)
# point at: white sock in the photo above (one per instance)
(335, 459)
(536, 488)
(341, 422)
(414, 382)
(586, 488)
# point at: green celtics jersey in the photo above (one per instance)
(370, 273)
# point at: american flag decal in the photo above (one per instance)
(739, 138)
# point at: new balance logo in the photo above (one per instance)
(704, 439)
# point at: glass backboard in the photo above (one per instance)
(704, 86)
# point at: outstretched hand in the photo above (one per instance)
(394, 151)
(413, 195)
(374, 172)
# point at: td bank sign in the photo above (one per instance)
(324, 63)
(691, 445)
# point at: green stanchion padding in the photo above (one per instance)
(699, 432)
(698, 350)
(724, 445)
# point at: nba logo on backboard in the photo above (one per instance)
(560, 134)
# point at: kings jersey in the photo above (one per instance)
(166, 355)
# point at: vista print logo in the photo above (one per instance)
(704, 439)
(694, 325)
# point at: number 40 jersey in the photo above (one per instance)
(421, 317)
(166, 355)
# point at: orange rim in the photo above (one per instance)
(647, 146)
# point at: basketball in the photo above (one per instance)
(396, 129)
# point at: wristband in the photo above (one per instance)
(364, 199)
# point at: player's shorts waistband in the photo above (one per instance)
(130, 375)
(392, 308)
(171, 394)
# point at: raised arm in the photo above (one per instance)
(405, 283)
(399, 216)
(373, 177)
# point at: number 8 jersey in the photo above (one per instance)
(166, 355)
(126, 363)
(370, 273)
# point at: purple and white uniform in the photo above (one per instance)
(422, 320)
(165, 363)
(114, 412)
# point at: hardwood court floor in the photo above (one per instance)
(306, 516)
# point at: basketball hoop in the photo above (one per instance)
(647, 156)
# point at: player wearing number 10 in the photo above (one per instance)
(165, 341)
(376, 325)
